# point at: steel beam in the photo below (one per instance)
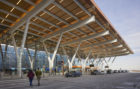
(6, 25)
(30, 33)
(110, 48)
(91, 28)
(47, 21)
(30, 2)
(68, 23)
(84, 9)
(117, 54)
(44, 28)
(59, 6)
(106, 50)
(29, 27)
(36, 30)
(10, 21)
(12, 5)
(88, 37)
(113, 47)
(102, 43)
(113, 52)
(6, 12)
(58, 18)
(42, 5)
(71, 27)
(81, 6)
(104, 27)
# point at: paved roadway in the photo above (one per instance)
(110, 81)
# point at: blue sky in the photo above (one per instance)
(125, 17)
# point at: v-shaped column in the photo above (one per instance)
(32, 60)
(19, 56)
(4, 56)
(51, 60)
(72, 60)
(84, 63)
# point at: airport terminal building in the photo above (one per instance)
(50, 33)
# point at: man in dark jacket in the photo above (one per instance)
(30, 75)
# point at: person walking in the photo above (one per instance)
(38, 75)
(30, 75)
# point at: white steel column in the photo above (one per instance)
(114, 59)
(105, 61)
(49, 58)
(68, 60)
(55, 51)
(30, 58)
(51, 61)
(70, 63)
(109, 59)
(15, 47)
(102, 65)
(56, 48)
(92, 59)
(80, 59)
(5, 54)
(2, 56)
(98, 61)
(84, 64)
(19, 62)
(35, 58)
(48, 55)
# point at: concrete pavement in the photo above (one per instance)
(110, 81)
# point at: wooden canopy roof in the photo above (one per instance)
(78, 20)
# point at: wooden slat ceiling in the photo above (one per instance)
(61, 14)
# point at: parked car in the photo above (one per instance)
(122, 71)
(119, 71)
(115, 71)
(126, 71)
(73, 74)
(96, 72)
(109, 71)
